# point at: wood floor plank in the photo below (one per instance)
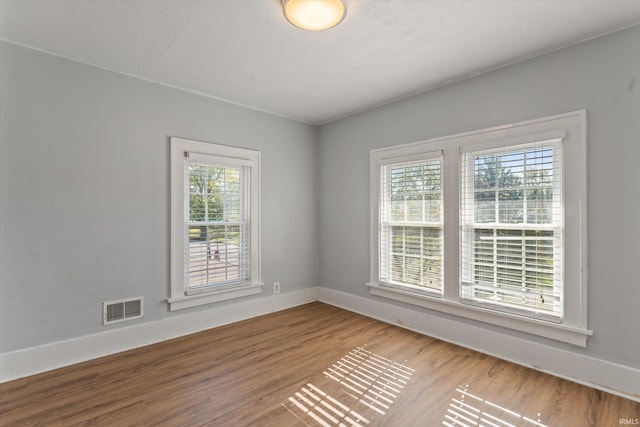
(313, 365)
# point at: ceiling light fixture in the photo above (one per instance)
(314, 15)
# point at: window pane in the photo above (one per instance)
(540, 206)
(417, 256)
(217, 251)
(412, 240)
(214, 193)
(197, 207)
(411, 229)
(518, 265)
(215, 255)
(196, 178)
(485, 206)
(510, 207)
(415, 192)
(214, 208)
(511, 251)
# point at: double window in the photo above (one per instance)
(488, 225)
(215, 237)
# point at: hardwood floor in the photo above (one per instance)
(314, 365)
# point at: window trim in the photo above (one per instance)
(179, 298)
(573, 328)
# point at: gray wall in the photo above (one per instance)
(84, 185)
(601, 75)
(84, 193)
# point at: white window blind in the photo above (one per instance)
(512, 229)
(217, 223)
(410, 239)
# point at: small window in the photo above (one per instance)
(215, 206)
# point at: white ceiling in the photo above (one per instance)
(244, 51)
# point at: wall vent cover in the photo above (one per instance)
(121, 310)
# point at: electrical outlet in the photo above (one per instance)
(276, 288)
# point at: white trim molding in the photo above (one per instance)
(183, 153)
(554, 331)
(600, 374)
(34, 360)
(187, 301)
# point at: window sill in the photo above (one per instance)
(569, 334)
(187, 301)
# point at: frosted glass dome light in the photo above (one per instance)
(314, 15)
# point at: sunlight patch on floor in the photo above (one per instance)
(470, 410)
(325, 409)
(357, 387)
(375, 380)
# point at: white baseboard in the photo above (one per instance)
(603, 375)
(600, 374)
(30, 361)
